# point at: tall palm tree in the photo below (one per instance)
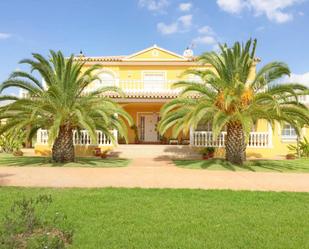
(232, 97)
(62, 105)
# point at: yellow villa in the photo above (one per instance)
(146, 78)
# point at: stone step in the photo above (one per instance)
(156, 151)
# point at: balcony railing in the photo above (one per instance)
(206, 139)
(81, 138)
(150, 85)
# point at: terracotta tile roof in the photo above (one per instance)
(146, 94)
(99, 58)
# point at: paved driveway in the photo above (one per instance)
(147, 173)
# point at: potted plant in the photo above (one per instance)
(207, 152)
(211, 152)
(290, 156)
(97, 151)
(104, 154)
(163, 140)
(135, 129)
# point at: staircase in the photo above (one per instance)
(157, 152)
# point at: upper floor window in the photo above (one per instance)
(154, 80)
(106, 79)
(195, 78)
(288, 132)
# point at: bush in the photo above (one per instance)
(207, 150)
(18, 153)
(27, 226)
(302, 147)
(11, 141)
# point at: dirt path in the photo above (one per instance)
(147, 173)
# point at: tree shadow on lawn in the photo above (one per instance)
(47, 162)
(251, 165)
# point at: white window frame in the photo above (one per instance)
(287, 128)
(154, 72)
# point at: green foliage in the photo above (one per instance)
(12, 141)
(120, 218)
(28, 226)
(207, 150)
(135, 129)
(302, 147)
(229, 94)
(63, 101)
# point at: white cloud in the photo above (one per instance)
(260, 28)
(298, 78)
(204, 40)
(185, 6)
(4, 36)
(274, 10)
(231, 6)
(206, 30)
(207, 37)
(154, 5)
(167, 29)
(186, 21)
(182, 24)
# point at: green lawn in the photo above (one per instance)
(10, 160)
(299, 165)
(186, 219)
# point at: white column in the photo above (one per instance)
(270, 135)
(38, 136)
(191, 136)
(115, 133)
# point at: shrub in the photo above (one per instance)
(11, 141)
(18, 153)
(207, 150)
(27, 226)
(302, 147)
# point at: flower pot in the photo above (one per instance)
(290, 157)
(211, 154)
(97, 152)
(103, 155)
(205, 156)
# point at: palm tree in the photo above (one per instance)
(232, 97)
(62, 106)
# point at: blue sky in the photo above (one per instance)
(121, 27)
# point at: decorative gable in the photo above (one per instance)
(155, 53)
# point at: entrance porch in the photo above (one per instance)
(146, 116)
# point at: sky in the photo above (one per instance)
(122, 27)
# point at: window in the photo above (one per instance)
(195, 78)
(106, 79)
(154, 80)
(288, 132)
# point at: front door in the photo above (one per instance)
(149, 121)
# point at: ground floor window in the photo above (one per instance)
(288, 132)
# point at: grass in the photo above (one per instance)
(299, 165)
(34, 161)
(186, 219)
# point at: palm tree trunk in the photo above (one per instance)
(63, 147)
(235, 146)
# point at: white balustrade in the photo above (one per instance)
(146, 85)
(81, 138)
(206, 139)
